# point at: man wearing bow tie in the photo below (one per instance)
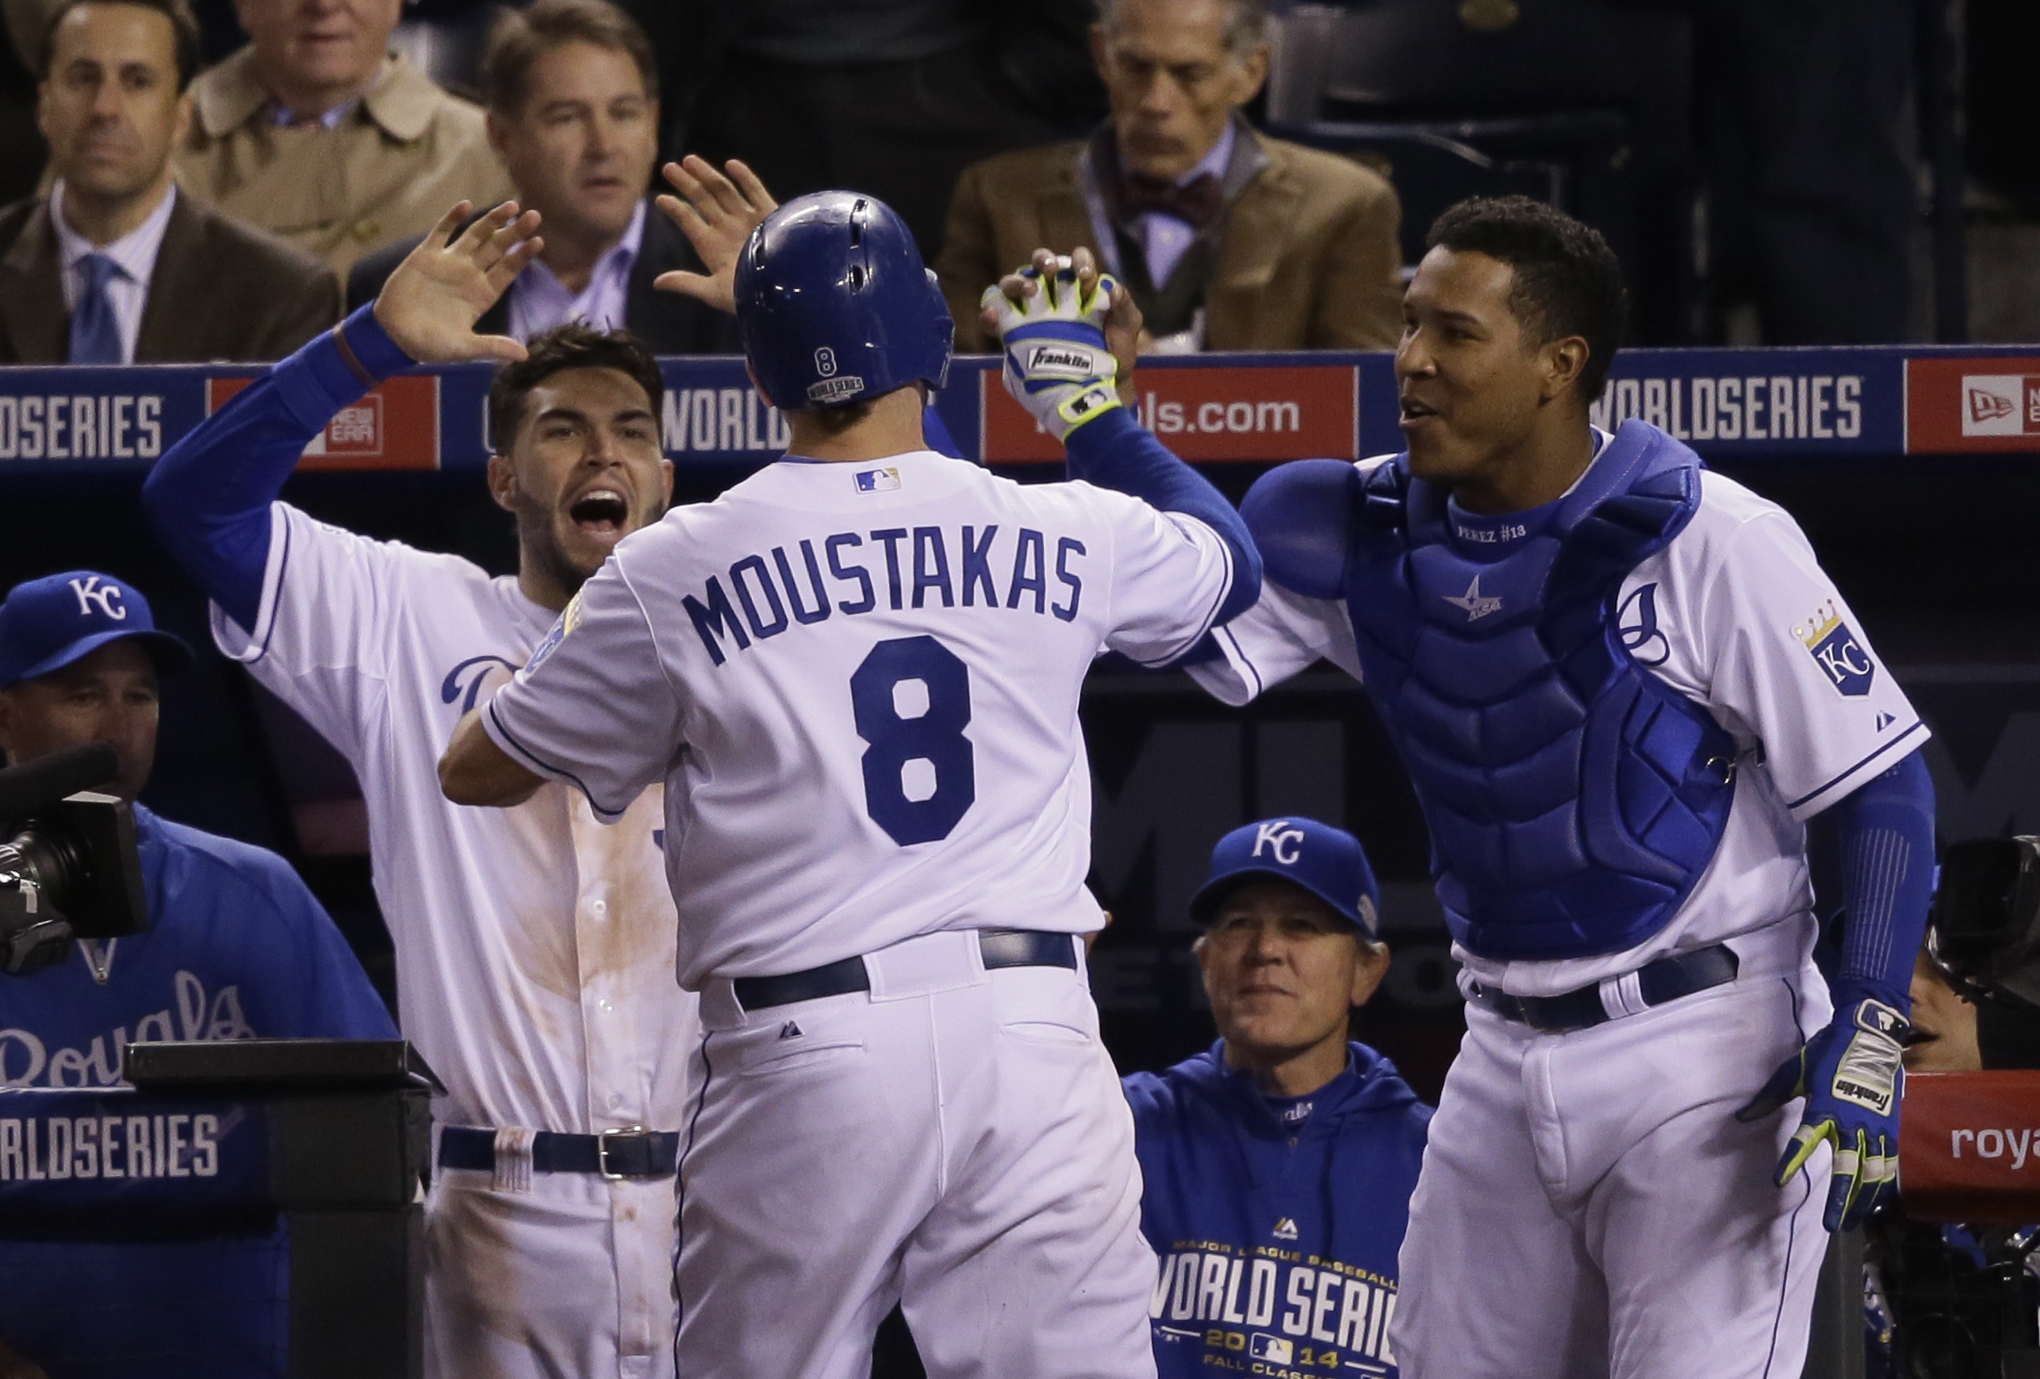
(1229, 240)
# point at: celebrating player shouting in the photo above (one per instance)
(1621, 686)
(858, 673)
(534, 949)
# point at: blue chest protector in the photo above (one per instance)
(1573, 797)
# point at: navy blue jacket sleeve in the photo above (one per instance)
(209, 497)
(1115, 451)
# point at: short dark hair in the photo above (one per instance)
(574, 345)
(1567, 279)
(519, 36)
(183, 29)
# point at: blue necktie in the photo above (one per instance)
(95, 333)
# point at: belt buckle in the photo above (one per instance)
(602, 1140)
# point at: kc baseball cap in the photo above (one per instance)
(45, 624)
(1328, 862)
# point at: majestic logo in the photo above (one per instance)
(1836, 651)
(877, 480)
(1637, 625)
(1885, 720)
(106, 596)
(1476, 604)
(1280, 837)
(1285, 1228)
(1057, 360)
(835, 389)
(789, 1030)
(825, 362)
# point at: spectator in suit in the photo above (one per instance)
(1229, 240)
(574, 115)
(319, 134)
(116, 265)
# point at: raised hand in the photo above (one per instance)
(717, 214)
(1124, 326)
(430, 304)
(1050, 318)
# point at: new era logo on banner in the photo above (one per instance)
(1953, 405)
(2000, 404)
(394, 427)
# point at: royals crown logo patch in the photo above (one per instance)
(1836, 651)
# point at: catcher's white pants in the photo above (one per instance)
(571, 1278)
(1589, 1207)
(954, 1140)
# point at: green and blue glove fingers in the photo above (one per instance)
(1852, 1080)
(1057, 365)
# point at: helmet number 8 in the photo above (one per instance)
(897, 739)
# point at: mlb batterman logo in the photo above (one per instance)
(1836, 651)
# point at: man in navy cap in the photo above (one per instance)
(1279, 1163)
(236, 948)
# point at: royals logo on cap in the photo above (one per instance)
(46, 624)
(1328, 862)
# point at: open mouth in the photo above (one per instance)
(599, 512)
(1414, 411)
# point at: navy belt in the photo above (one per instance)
(631, 1152)
(1667, 979)
(998, 947)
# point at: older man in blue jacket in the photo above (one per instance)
(1279, 1162)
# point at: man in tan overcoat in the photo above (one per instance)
(320, 135)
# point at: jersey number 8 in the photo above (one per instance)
(898, 739)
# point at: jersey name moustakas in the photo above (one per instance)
(860, 685)
(921, 567)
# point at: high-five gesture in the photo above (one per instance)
(431, 302)
(717, 215)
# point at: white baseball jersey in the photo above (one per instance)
(860, 683)
(1736, 614)
(534, 947)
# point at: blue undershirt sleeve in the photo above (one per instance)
(209, 497)
(1882, 839)
(1115, 451)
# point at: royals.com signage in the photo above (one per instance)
(1757, 404)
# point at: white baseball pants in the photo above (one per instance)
(1589, 1208)
(954, 1140)
(568, 1278)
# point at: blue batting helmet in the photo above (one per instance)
(1328, 862)
(835, 306)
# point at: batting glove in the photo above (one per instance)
(1852, 1081)
(1057, 365)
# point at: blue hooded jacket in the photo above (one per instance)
(1278, 1247)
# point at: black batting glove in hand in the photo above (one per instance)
(1852, 1081)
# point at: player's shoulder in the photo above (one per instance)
(387, 556)
(229, 866)
(1731, 520)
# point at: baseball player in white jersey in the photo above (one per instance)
(534, 947)
(1622, 687)
(858, 674)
